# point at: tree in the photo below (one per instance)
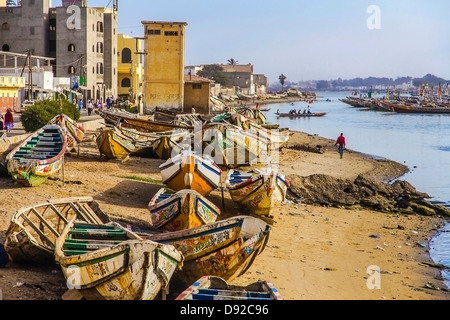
(232, 62)
(214, 72)
(282, 78)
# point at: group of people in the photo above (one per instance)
(7, 121)
(92, 104)
(306, 111)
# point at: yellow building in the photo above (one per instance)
(9, 93)
(197, 94)
(130, 68)
(164, 44)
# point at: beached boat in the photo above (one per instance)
(185, 209)
(226, 248)
(33, 230)
(258, 191)
(428, 108)
(38, 157)
(75, 131)
(169, 145)
(301, 115)
(189, 170)
(216, 288)
(110, 262)
(128, 120)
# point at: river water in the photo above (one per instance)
(420, 141)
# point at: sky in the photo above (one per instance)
(306, 40)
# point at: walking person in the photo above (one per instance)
(340, 142)
(90, 107)
(9, 121)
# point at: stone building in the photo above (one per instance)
(81, 39)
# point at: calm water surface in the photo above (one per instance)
(422, 142)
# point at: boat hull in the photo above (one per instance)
(181, 210)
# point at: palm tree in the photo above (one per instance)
(232, 62)
(282, 77)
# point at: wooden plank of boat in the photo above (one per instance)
(188, 170)
(257, 191)
(38, 157)
(75, 131)
(216, 288)
(301, 115)
(185, 209)
(113, 144)
(110, 262)
(429, 109)
(224, 248)
(33, 230)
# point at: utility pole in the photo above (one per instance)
(30, 77)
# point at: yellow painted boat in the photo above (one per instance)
(188, 170)
(113, 144)
(170, 145)
(257, 191)
(109, 262)
(225, 248)
(184, 209)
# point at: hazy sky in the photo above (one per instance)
(306, 40)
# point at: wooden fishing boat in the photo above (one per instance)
(226, 248)
(127, 120)
(189, 170)
(38, 157)
(114, 144)
(185, 209)
(169, 145)
(427, 108)
(33, 230)
(110, 262)
(258, 191)
(301, 115)
(216, 288)
(75, 131)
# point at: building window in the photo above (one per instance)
(197, 86)
(52, 25)
(32, 31)
(171, 33)
(154, 32)
(100, 47)
(5, 26)
(71, 70)
(52, 46)
(99, 68)
(5, 48)
(71, 48)
(126, 83)
(126, 55)
(99, 26)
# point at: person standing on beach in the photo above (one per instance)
(9, 121)
(341, 144)
(90, 107)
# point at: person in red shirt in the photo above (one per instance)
(341, 144)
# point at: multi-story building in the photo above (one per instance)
(130, 68)
(164, 44)
(81, 39)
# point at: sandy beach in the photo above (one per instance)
(314, 252)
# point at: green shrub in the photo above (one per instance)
(35, 117)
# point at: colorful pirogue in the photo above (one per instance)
(258, 191)
(215, 288)
(38, 157)
(33, 230)
(185, 209)
(188, 170)
(225, 248)
(110, 262)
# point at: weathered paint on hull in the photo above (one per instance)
(225, 248)
(32, 233)
(189, 171)
(259, 194)
(135, 269)
(183, 210)
(112, 146)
